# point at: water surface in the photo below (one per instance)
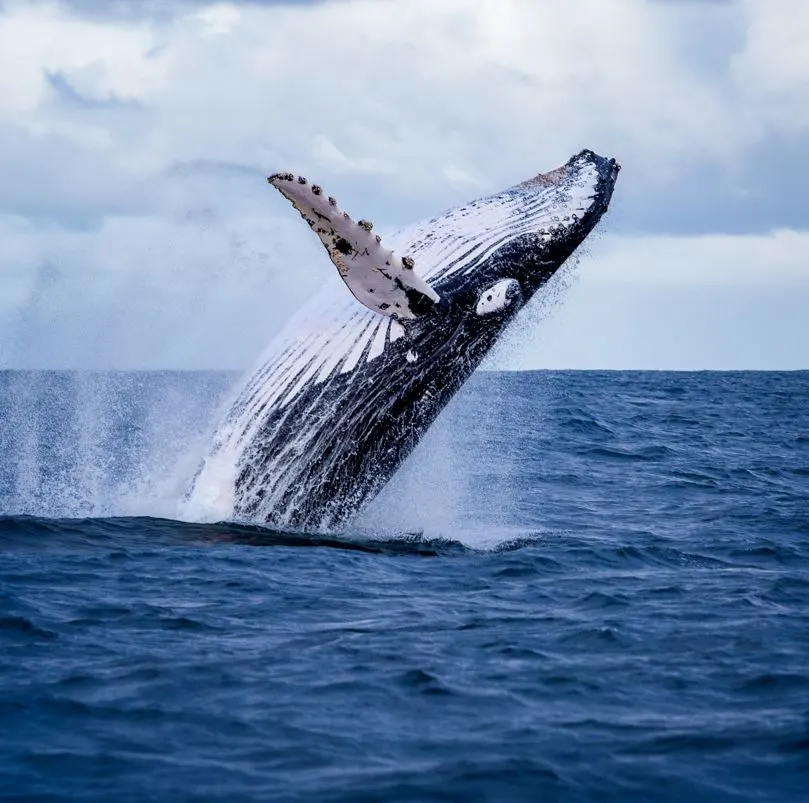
(582, 586)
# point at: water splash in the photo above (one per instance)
(102, 444)
(80, 445)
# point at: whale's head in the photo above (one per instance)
(487, 258)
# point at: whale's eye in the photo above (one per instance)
(500, 296)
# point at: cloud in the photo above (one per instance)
(151, 292)
(386, 81)
(716, 302)
(779, 259)
(773, 67)
(488, 89)
(67, 93)
(124, 124)
(160, 9)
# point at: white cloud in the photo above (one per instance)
(102, 58)
(133, 129)
(200, 292)
(493, 87)
(143, 292)
(777, 259)
(772, 71)
(219, 19)
(713, 302)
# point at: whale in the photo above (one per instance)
(345, 391)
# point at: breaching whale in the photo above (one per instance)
(343, 394)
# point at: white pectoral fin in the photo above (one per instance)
(377, 277)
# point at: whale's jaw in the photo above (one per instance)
(344, 394)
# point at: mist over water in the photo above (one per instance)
(109, 444)
(112, 444)
(81, 444)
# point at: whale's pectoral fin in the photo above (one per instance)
(377, 277)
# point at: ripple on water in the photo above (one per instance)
(614, 607)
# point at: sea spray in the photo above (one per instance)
(83, 444)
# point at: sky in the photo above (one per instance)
(137, 229)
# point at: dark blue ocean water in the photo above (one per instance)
(583, 586)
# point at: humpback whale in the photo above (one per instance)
(344, 392)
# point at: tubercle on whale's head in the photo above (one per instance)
(582, 188)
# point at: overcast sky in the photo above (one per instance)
(137, 230)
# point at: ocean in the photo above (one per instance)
(582, 586)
